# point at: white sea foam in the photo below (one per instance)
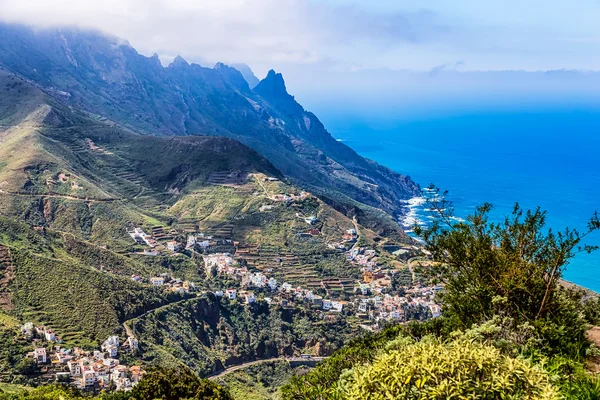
(412, 216)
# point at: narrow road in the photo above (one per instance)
(410, 268)
(262, 186)
(355, 222)
(267, 360)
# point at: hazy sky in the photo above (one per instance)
(342, 35)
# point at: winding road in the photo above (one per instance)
(298, 360)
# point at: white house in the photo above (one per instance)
(111, 350)
(173, 246)
(50, 335)
(326, 304)
(111, 341)
(310, 220)
(249, 297)
(436, 311)
(74, 368)
(337, 306)
(231, 294)
(272, 284)
(88, 377)
(157, 281)
(110, 362)
(191, 242)
(40, 355)
(27, 329)
(132, 343)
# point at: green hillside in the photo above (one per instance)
(52, 285)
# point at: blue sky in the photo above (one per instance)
(342, 35)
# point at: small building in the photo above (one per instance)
(74, 368)
(157, 281)
(27, 329)
(173, 246)
(132, 343)
(249, 298)
(310, 220)
(63, 358)
(272, 284)
(111, 351)
(39, 354)
(110, 362)
(337, 306)
(50, 335)
(88, 377)
(191, 242)
(231, 294)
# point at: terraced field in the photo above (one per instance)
(296, 269)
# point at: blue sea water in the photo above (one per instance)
(549, 159)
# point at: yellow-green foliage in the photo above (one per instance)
(460, 369)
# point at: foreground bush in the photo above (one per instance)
(459, 369)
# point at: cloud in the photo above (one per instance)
(339, 34)
(265, 32)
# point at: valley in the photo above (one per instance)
(191, 251)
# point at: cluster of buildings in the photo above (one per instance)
(224, 264)
(87, 370)
(397, 308)
(29, 331)
(142, 237)
(167, 282)
(349, 238)
(290, 197)
(299, 294)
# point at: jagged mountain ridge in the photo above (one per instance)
(107, 76)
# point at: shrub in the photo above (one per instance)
(431, 369)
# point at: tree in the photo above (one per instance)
(175, 384)
(516, 260)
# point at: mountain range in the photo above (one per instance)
(106, 77)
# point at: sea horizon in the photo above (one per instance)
(543, 159)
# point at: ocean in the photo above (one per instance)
(549, 159)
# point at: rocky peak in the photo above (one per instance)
(272, 86)
(178, 62)
(273, 90)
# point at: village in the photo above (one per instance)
(87, 370)
(271, 275)
(370, 297)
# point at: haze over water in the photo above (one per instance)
(545, 158)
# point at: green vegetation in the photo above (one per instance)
(58, 282)
(260, 382)
(165, 384)
(207, 334)
(431, 369)
(509, 330)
